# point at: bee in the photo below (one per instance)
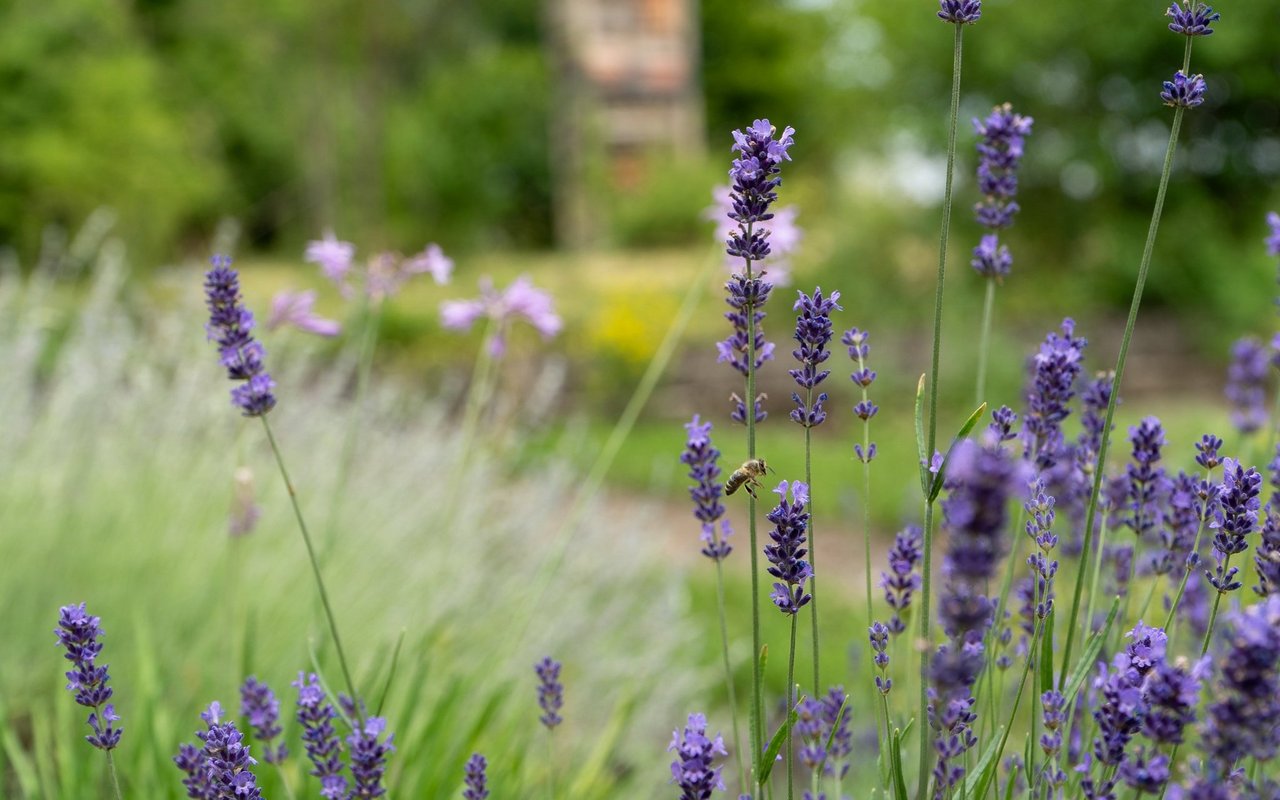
(746, 475)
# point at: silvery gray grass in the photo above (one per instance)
(119, 457)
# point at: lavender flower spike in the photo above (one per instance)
(1183, 91)
(1192, 18)
(1273, 236)
(316, 715)
(999, 152)
(190, 759)
(550, 691)
(226, 758)
(369, 758)
(813, 332)
(701, 457)
(960, 12)
(694, 769)
(1054, 371)
(787, 552)
(259, 706)
(78, 633)
(230, 326)
(1235, 518)
(902, 580)
(1247, 385)
(476, 779)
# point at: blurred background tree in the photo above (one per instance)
(397, 122)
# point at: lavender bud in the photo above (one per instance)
(477, 781)
(701, 457)
(316, 714)
(1183, 91)
(960, 12)
(78, 634)
(550, 691)
(1191, 18)
(694, 769)
(261, 709)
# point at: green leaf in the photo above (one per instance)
(975, 784)
(895, 754)
(1085, 665)
(936, 480)
(391, 674)
(924, 461)
(775, 744)
(1046, 653)
(1013, 780)
(835, 726)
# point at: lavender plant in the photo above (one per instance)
(78, 633)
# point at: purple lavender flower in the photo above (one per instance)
(902, 580)
(754, 181)
(519, 301)
(1235, 518)
(230, 326)
(745, 293)
(960, 12)
(1148, 485)
(782, 231)
(1002, 421)
(1054, 716)
(694, 769)
(1054, 371)
(1207, 451)
(315, 715)
(952, 673)
(786, 554)
(1273, 237)
(1040, 528)
(1244, 717)
(1172, 691)
(1094, 400)
(1183, 91)
(298, 309)
(1191, 18)
(1146, 773)
(999, 152)
(1247, 385)
(879, 635)
(1119, 713)
(78, 633)
(813, 332)
(1267, 555)
(476, 779)
(550, 691)
(334, 257)
(701, 457)
(842, 738)
(190, 759)
(810, 731)
(369, 758)
(980, 479)
(261, 709)
(859, 349)
(226, 758)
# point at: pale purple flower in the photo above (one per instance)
(694, 769)
(521, 300)
(432, 261)
(334, 257)
(297, 309)
(1273, 238)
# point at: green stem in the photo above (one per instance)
(791, 702)
(984, 339)
(115, 777)
(315, 569)
(728, 673)
(477, 397)
(813, 550)
(935, 361)
(551, 765)
(866, 495)
(284, 781)
(749, 412)
(1138, 286)
(1213, 615)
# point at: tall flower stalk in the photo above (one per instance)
(754, 179)
(864, 451)
(959, 13)
(701, 457)
(813, 333)
(231, 328)
(999, 152)
(1190, 19)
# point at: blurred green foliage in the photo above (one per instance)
(398, 123)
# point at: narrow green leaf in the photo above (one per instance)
(924, 459)
(386, 687)
(1085, 665)
(1013, 781)
(979, 778)
(835, 726)
(775, 744)
(895, 754)
(1046, 653)
(23, 768)
(936, 482)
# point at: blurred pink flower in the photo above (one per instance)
(334, 257)
(784, 235)
(296, 309)
(431, 260)
(520, 300)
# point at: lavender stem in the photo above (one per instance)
(115, 778)
(728, 673)
(813, 551)
(757, 703)
(984, 340)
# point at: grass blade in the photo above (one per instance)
(775, 744)
(936, 480)
(1085, 665)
